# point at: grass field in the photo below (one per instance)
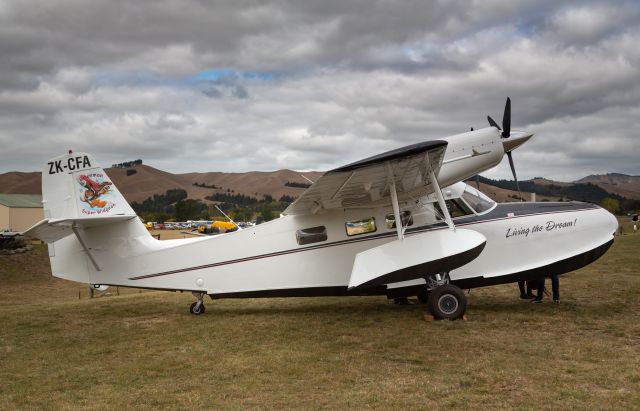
(145, 351)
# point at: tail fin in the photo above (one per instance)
(74, 186)
(77, 195)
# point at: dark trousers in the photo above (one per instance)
(555, 288)
(521, 286)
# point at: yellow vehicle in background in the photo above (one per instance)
(217, 227)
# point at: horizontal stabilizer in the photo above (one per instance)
(50, 230)
(417, 256)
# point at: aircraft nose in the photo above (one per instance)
(609, 221)
(602, 223)
(515, 140)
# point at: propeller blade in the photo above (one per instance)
(478, 181)
(506, 119)
(513, 170)
(492, 123)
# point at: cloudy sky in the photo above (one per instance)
(263, 85)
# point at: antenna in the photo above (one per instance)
(223, 213)
(308, 179)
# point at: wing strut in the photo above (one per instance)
(75, 230)
(443, 205)
(394, 201)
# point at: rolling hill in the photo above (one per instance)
(148, 181)
(620, 184)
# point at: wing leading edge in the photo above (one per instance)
(366, 183)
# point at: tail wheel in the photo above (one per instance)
(197, 308)
(447, 302)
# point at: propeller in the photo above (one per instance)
(492, 123)
(506, 119)
(513, 170)
(506, 133)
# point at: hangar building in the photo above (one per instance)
(18, 212)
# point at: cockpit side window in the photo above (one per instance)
(405, 216)
(477, 200)
(355, 227)
(456, 208)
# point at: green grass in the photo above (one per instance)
(146, 351)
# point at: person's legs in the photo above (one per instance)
(555, 287)
(521, 287)
(538, 298)
(530, 285)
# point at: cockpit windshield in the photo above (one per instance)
(477, 200)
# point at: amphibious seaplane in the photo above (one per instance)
(378, 226)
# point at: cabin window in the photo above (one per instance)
(456, 208)
(355, 227)
(311, 235)
(405, 217)
(477, 200)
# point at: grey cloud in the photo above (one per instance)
(348, 79)
(212, 91)
(240, 92)
(226, 85)
(177, 121)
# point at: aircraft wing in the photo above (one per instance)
(366, 183)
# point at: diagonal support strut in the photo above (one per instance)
(394, 201)
(440, 197)
(75, 230)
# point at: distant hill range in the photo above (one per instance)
(139, 182)
(593, 188)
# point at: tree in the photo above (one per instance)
(160, 203)
(158, 217)
(267, 213)
(190, 209)
(611, 205)
(241, 214)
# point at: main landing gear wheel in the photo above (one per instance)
(447, 302)
(197, 308)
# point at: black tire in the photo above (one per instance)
(447, 302)
(197, 311)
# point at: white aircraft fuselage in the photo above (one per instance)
(524, 241)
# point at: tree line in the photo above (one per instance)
(297, 185)
(127, 164)
(174, 205)
(205, 185)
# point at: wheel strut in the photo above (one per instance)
(197, 308)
